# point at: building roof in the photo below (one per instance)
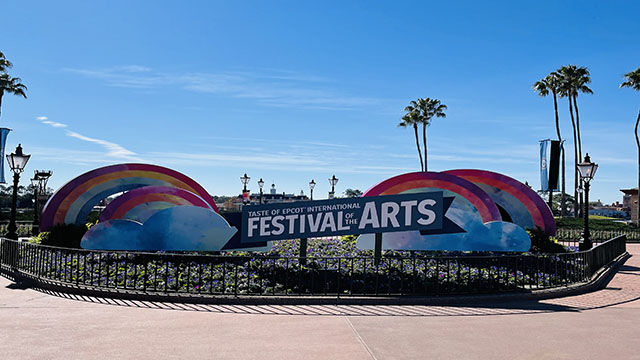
(630, 191)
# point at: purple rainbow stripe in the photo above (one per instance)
(469, 191)
(538, 209)
(120, 206)
(74, 200)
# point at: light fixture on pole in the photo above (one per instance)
(312, 184)
(260, 184)
(17, 161)
(39, 185)
(245, 194)
(587, 172)
(333, 181)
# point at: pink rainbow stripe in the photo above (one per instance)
(469, 191)
(120, 206)
(77, 192)
(539, 210)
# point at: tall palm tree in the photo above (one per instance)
(573, 81)
(551, 83)
(428, 108)
(412, 119)
(4, 63)
(11, 85)
(632, 80)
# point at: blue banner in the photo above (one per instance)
(3, 141)
(544, 171)
(348, 216)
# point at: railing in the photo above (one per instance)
(180, 274)
(571, 237)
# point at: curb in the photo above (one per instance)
(597, 282)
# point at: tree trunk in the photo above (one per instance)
(638, 144)
(415, 130)
(575, 165)
(424, 141)
(575, 107)
(562, 198)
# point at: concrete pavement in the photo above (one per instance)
(599, 325)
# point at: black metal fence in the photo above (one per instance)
(195, 274)
(571, 236)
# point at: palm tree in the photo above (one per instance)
(4, 63)
(11, 85)
(574, 80)
(428, 108)
(632, 80)
(551, 83)
(412, 118)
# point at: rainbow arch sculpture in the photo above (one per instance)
(72, 203)
(141, 203)
(522, 204)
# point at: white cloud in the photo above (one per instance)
(113, 149)
(45, 120)
(267, 87)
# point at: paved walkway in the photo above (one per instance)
(600, 325)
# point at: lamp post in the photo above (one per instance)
(260, 184)
(312, 184)
(245, 196)
(333, 181)
(587, 171)
(39, 184)
(17, 162)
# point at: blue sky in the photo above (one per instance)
(290, 90)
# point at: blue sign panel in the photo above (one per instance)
(349, 216)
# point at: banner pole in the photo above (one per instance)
(303, 251)
(377, 250)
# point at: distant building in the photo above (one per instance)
(630, 199)
(271, 197)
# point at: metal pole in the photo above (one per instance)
(14, 203)
(303, 251)
(311, 194)
(586, 244)
(260, 195)
(377, 250)
(35, 228)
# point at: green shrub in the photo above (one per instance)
(543, 243)
(65, 235)
(40, 238)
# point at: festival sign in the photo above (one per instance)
(348, 216)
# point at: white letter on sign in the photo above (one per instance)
(389, 212)
(422, 209)
(369, 216)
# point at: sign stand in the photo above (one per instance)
(377, 250)
(303, 251)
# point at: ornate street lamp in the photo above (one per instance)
(312, 184)
(245, 194)
(260, 184)
(17, 161)
(333, 181)
(587, 172)
(39, 185)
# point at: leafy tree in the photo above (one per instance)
(551, 83)
(352, 193)
(412, 119)
(632, 80)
